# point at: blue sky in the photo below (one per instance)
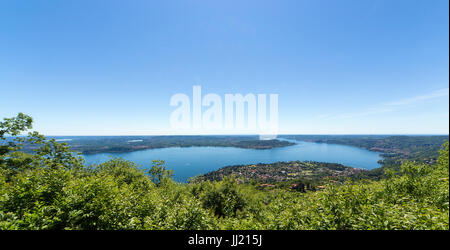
(339, 67)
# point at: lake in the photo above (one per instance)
(191, 161)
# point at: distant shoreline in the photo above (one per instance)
(189, 146)
(124, 144)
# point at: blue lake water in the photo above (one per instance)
(191, 161)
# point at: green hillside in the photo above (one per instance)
(53, 189)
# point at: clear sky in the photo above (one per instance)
(90, 67)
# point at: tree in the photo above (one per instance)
(12, 127)
(158, 172)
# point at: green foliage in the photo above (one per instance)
(16, 125)
(223, 198)
(159, 174)
(13, 127)
(52, 189)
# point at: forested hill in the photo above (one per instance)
(117, 144)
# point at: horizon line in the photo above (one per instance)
(377, 134)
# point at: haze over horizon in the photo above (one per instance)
(339, 67)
